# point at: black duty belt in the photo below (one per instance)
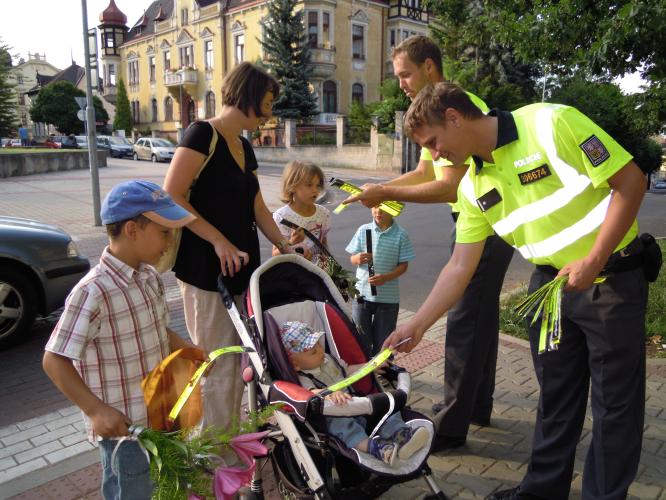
(627, 259)
(454, 216)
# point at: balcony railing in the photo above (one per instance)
(323, 61)
(183, 76)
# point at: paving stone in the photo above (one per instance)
(53, 435)
(38, 451)
(64, 421)
(23, 435)
(21, 469)
(69, 451)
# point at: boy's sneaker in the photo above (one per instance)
(418, 440)
(382, 449)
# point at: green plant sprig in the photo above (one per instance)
(547, 301)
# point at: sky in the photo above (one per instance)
(56, 30)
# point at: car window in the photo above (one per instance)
(139, 142)
(162, 143)
(119, 141)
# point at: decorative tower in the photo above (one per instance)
(113, 29)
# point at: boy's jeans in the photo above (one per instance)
(351, 430)
(376, 320)
(132, 481)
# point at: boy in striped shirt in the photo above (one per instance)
(376, 315)
(113, 331)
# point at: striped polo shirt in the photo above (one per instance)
(547, 192)
(389, 248)
(439, 164)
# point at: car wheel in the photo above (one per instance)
(135, 156)
(18, 306)
(153, 158)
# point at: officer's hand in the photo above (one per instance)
(407, 331)
(582, 274)
(372, 195)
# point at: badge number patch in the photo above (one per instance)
(536, 174)
(489, 200)
(595, 151)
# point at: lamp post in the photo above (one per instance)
(90, 119)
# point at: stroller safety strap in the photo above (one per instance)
(182, 399)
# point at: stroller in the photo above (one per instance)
(309, 463)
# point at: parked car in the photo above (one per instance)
(119, 147)
(82, 141)
(154, 149)
(48, 143)
(39, 265)
(660, 185)
(12, 143)
(69, 142)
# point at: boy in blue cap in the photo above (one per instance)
(113, 331)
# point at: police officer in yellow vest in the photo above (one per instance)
(555, 186)
(472, 326)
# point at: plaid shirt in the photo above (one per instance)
(114, 329)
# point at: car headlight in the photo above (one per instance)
(72, 249)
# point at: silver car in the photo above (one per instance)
(39, 265)
(154, 149)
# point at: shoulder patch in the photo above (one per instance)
(595, 151)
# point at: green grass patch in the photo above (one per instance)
(8, 151)
(655, 318)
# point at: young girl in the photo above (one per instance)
(301, 184)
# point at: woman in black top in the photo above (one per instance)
(227, 200)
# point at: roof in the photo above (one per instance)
(73, 74)
(113, 15)
(159, 9)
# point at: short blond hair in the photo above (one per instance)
(296, 172)
(431, 103)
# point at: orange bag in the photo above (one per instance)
(165, 383)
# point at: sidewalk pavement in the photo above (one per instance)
(47, 456)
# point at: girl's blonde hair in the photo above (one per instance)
(296, 172)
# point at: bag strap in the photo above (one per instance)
(211, 151)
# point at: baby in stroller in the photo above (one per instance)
(318, 370)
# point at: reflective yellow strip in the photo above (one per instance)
(365, 370)
(390, 207)
(182, 399)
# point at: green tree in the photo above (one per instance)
(393, 99)
(473, 58)
(288, 59)
(55, 104)
(8, 121)
(123, 118)
(604, 103)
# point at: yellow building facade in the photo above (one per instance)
(174, 59)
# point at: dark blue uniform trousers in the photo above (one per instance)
(603, 341)
(472, 331)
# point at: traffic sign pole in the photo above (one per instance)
(92, 140)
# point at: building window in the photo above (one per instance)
(392, 39)
(208, 54)
(167, 60)
(133, 72)
(358, 41)
(357, 93)
(19, 79)
(330, 94)
(153, 110)
(313, 28)
(151, 68)
(183, 16)
(186, 56)
(168, 109)
(136, 112)
(191, 112)
(109, 40)
(210, 104)
(239, 48)
(326, 29)
(112, 75)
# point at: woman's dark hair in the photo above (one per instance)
(246, 86)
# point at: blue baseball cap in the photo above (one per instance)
(129, 199)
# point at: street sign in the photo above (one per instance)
(81, 101)
(81, 115)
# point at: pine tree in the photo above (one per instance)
(123, 118)
(8, 121)
(288, 59)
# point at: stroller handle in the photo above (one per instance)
(227, 298)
